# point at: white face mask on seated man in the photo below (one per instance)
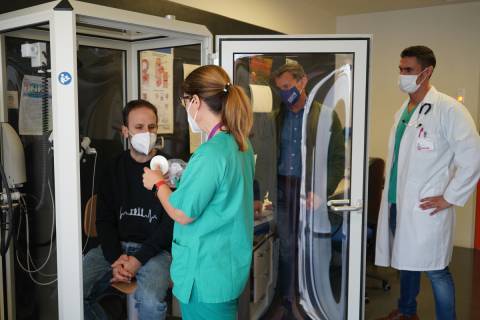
(143, 142)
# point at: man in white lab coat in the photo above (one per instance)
(433, 165)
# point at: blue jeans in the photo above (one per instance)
(441, 280)
(152, 283)
(287, 220)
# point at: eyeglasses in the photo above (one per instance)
(184, 100)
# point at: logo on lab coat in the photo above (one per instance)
(64, 78)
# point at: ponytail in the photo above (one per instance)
(212, 84)
(237, 115)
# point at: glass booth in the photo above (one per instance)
(67, 70)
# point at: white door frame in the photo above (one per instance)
(359, 45)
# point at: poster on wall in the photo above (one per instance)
(30, 108)
(156, 86)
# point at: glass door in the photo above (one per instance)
(309, 96)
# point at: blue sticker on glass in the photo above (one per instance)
(64, 78)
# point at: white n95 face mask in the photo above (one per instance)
(408, 83)
(143, 142)
(191, 121)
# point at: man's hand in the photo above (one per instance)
(119, 273)
(257, 209)
(123, 258)
(132, 265)
(150, 177)
(438, 203)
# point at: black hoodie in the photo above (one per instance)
(126, 211)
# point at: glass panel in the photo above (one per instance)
(101, 99)
(324, 232)
(34, 242)
(303, 160)
(101, 92)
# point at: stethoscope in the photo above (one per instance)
(427, 106)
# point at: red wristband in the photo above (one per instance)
(160, 183)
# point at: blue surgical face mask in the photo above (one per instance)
(290, 96)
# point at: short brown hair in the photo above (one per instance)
(135, 104)
(424, 55)
(294, 68)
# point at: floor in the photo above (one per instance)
(465, 268)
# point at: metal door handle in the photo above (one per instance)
(346, 208)
(337, 201)
(339, 205)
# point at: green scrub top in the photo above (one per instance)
(401, 126)
(214, 251)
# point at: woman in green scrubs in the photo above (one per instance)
(213, 203)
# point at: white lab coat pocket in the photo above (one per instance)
(426, 226)
(430, 142)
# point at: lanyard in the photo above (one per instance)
(214, 130)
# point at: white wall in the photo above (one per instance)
(280, 15)
(453, 33)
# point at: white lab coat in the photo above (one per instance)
(423, 242)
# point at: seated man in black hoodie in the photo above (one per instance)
(134, 232)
